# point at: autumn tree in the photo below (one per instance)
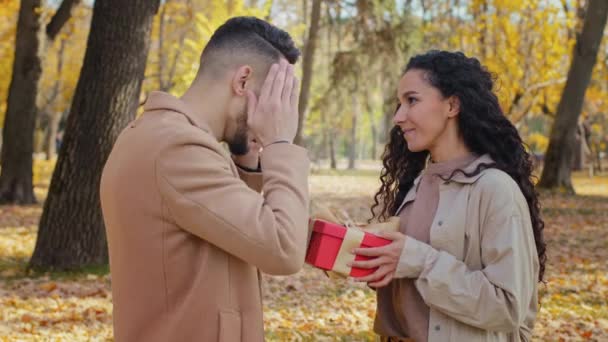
(560, 153)
(307, 64)
(71, 232)
(180, 31)
(18, 131)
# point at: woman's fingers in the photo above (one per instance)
(385, 281)
(376, 276)
(373, 263)
(370, 251)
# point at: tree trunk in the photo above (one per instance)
(352, 149)
(18, 134)
(374, 147)
(389, 104)
(54, 117)
(161, 47)
(63, 14)
(50, 143)
(333, 164)
(374, 129)
(71, 232)
(307, 64)
(16, 177)
(598, 157)
(582, 149)
(560, 153)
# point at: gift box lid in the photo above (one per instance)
(336, 230)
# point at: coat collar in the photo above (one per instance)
(462, 178)
(158, 100)
(459, 177)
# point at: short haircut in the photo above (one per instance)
(241, 39)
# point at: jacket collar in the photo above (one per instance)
(158, 100)
(459, 177)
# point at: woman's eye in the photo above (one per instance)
(411, 100)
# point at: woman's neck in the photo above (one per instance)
(451, 151)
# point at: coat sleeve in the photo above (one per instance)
(253, 179)
(204, 197)
(498, 296)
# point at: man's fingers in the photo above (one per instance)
(252, 103)
(295, 94)
(269, 81)
(288, 87)
(279, 81)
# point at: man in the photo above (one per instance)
(188, 228)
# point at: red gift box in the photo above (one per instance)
(325, 244)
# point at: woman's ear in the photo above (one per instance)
(454, 106)
(239, 80)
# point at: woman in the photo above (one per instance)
(466, 264)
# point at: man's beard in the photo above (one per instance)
(239, 144)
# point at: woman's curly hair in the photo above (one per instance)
(483, 126)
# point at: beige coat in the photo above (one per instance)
(186, 234)
(479, 273)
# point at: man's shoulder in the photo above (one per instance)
(173, 128)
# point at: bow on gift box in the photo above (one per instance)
(353, 237)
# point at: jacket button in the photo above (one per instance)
(440, 223)
(437, 328)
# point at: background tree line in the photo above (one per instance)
(74, 73)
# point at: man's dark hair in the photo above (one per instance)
(247, 36)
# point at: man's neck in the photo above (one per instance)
(207, 102)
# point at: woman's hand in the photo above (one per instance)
(386, 258)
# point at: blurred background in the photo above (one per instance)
(73, 73)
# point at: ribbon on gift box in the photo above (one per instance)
(353, 238)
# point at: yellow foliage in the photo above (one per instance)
(9, 10)
(524, 43)
(184, 40)
(43, 171)
(62, 62)
(538, 142)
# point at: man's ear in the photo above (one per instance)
(454, 106)
(240, 80)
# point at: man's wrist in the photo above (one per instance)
(280, 141)
(249, 169)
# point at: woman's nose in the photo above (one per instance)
(400, 115)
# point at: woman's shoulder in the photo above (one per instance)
(493, 177)
(499, 190)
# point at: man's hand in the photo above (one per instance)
(273, 116)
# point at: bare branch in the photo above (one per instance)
(63, 14)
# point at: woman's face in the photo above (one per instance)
(424, 113)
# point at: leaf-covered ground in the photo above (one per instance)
(308, 306)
